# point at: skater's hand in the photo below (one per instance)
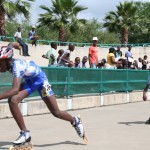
(144, 96)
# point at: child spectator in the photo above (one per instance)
(60, 52)
(77, 63)
(84, 61)
(144, 63)
(118, 53)
(65, 58)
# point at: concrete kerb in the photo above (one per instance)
(35, 106)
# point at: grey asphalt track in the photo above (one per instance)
(117, 127)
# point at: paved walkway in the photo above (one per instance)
(118, 127)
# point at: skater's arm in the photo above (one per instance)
(13, 90)
(145, 91)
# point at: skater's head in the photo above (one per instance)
(6, 54)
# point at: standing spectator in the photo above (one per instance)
(32, 36)
(118, 53)
(51, 55)
(93, 53)
(22, 44)
(128, 54)
(144, 63)
(65, 58)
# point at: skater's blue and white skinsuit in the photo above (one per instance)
(34, 77)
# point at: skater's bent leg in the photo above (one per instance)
(13, 104)
(52, 105)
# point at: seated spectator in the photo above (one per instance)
(71, 64)
(15, 45)
(65, 58)
(77, 63)
(51, 55)
(102, 64)
(111, 59)
(22, 44)
(32, 36)
(60, 52)
(144, 62)
(118, 53)
(84, 61)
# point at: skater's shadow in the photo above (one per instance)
(59, 143)
(131, 123)
(5, 145)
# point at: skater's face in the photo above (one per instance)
(3, 66)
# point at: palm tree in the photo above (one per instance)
(10, 9)
(123, 20)
(62, 15)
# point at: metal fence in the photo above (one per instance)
(72, 81)
(48, 42)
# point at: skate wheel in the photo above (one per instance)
(85, 140)
(21, 147)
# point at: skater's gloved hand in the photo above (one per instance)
(144, 96)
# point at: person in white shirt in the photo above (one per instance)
(22, 44)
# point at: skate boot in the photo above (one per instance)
(78, 126)
(23, 138)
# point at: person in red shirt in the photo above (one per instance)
(93, 53)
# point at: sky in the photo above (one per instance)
(96, 8)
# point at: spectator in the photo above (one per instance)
(51, 55)
(65, 58)
(118, 53)
(144, 63)
(60, 52)
(111, 59)
(128, 54)
(22, 44)
(93, 53)
(84, 61)
(15, 45)
(32, 36)
(139, 63)
(102, 64)
(77, 63)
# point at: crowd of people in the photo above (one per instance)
(22, 45)
(114, 59)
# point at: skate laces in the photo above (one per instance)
(22, 134)
(77, 124)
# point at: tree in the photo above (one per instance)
(62, 15)
(140, 34)
(11, 9)
(123, 20)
